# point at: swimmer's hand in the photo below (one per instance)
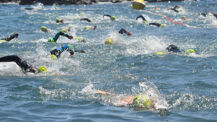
(70, 37)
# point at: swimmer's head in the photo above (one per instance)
(109, 41)
(113, 18)
(80, 39)
(173, 48)
(58, 19)
(141, 101)
(162, 25)
(189, 51)
(53, 57)
(51, 40)
(42, 69)
(44, 29)
(184, 18)
(63, 30)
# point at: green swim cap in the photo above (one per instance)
(43, 28)
(63, 30)
(144, 21)
(80, 39)
(72, 48)
(86, 27)
(113, 18)
(42, 69)
(189, 51)
(57, 19)
(162, 25)
(53, 57)
(141, 101)
(50, 39)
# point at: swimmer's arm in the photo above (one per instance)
(102, 92)
(80, 51)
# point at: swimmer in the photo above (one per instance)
(85, 19)
(61, 33)
(157, 24)
(44, 29)
(205, 14)
(23, 64)
(12, 36)
(111, 17)
(58, 20)
(122, 31)
(141, 17)
(69, 48)
(176, 8)
(89, 27)
(138, 102)
(174, 49)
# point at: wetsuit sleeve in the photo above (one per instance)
(156, 24)
(15, 35)
(20, 62)
(58, 35)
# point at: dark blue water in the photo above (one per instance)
(184, 84)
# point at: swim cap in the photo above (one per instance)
(112, 17)
(162, 25)
(70, 26)
(57, 19)
(144, 21)
(50, 39)
(86, 27)
(43, 28)
(42, 69)
(160, 53)
(141, 101)
(80, 39)
(2, 40)
(57, 8)
(184, 17)
(157, 8)
(72, 48)
(53, 56)
(63, 30)
(109, 41)
(189, 51)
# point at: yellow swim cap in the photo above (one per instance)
(42, 69)
(43, 28)
(184, 17)
(189, 51)
(160, 53)
(141, 101)
(53, 56)
(57, 19)
(109, 41)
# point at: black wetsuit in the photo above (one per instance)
(173, 48)
(142, 17)
(20, 62)
(156, 24)
(57, 36)
(85, 19)
(14, 35)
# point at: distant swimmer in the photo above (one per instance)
(85, 19)
(7, 39)
(157, 24)
(176, 9)
(23, 64)
(58, 20)
(61, 33)
(212, 13)
(142, 19)
(122, 31)
(69, 48)
(174, 49)
(44, 29)
(109, 16)
(138, 102)
(89, 27)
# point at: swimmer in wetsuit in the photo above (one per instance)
(69, 48)
(61, 33)
(12, 36)
(145, 21)
(23, 64)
